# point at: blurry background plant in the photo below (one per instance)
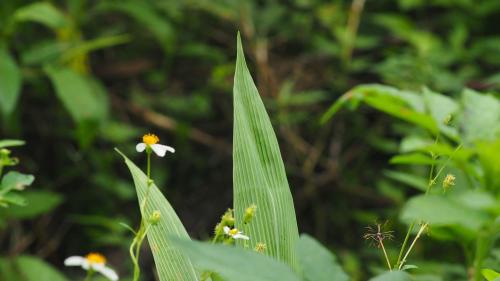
(80, 77)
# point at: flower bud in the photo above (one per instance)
(155, 217)
(448, 181)
(249, 213)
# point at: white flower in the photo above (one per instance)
(151, 140)
(94, 261)
(235, 233)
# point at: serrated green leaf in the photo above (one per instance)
(15, 180)
(171, 263)
(83, 97)
(481, 116)
(42, 12)
(317, 262)
(442, 211)
(10, 82)
(236, 264)
(258, 172)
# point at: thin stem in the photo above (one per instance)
(422, 228)
(403, 247)
(385, 254)
(90, 273)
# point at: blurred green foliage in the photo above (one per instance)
(79, 77)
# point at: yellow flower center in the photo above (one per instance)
(150, 139)
(233, 231)
(96, 258)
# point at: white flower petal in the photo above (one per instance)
(108, 273)
(226, 229)
(140, 147)
(85, 264)
(241, 236)
(74, 261)
(161, 149)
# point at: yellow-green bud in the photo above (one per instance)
(4, 152)
(249, 213)
(447, 119)
(448, 181)
(227, 219)
(155, 217)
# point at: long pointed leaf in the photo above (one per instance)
(258, 172)
(170, 262)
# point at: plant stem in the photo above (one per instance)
(90, 273)
(403, 247)
(385, 254)
(422, 228)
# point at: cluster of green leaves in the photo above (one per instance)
(61, 61)
(13, 206)
(463, 137)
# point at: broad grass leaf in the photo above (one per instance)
(10, 82)
(234, 263)
(28, 268)
(171, 263)
(83, 97)
(317, 262)
(42, 12)
(258, 172)
(392, 276)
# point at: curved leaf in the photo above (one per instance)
(171, 263)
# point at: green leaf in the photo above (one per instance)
(481, 116)
(171, 263)
(10, 82)
(404, 105)
(148, 17)
(235, 264)
(28, 268)
(258, 172)
(82, 97)
(12, 199)
(490, 274)
(9, 143)
(15, 180)
(412, 158)
(37, 203)
(317, 262)
(407, 178)
(442, 211)
(440, 108)
(42, 12)
(392, 276)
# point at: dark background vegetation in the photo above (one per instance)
(172, 75)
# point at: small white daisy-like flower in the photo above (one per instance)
(151, 140)
(235, 233)
(93, 261)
